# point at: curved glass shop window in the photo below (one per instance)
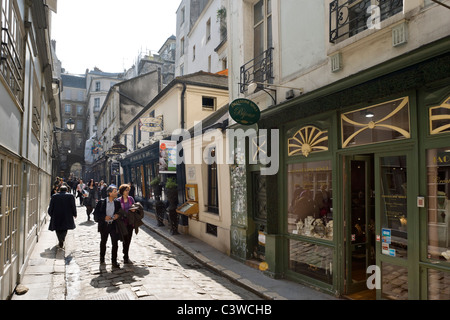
(383, 122)
(440, 118)
(310, 203)
(438, 171)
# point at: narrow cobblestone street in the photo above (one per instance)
(160, 270)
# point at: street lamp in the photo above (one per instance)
(70, 126)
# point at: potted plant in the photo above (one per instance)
(156, 185)
(172, 197)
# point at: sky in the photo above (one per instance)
(110, 34)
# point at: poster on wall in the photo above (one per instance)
(168, 157)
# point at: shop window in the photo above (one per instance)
(438, 171)
(394, 209)
(310, 209)
(311, 260)
(438, 285)
(440, 118)
(307, 140)
(384, 122)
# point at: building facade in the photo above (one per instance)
(72, 144)
(98, 85)
(29, 111)
(201, 37)
(163, 60)
(124, 101)
(184, 102)
(360, 103)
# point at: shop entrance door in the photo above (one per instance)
(359, 225)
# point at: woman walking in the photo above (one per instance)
(126, 203)
(91, 200)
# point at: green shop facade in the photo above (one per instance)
(360, 205)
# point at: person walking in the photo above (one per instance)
(126, 202)
(62, 211)
(91, 200)
(106, 214)
(80, 188)
(102, 189)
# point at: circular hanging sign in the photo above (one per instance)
(245, 112)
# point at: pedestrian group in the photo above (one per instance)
(114, 209)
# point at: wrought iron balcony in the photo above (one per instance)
(10, 63)
(258, 70)
(350, 17)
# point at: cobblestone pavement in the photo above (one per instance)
(160, 270)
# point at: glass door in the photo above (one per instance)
(394, 207)
(359, 225)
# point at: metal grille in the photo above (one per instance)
(350, 17)
(258, 70)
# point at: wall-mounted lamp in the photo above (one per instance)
(252, 87)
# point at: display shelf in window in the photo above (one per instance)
(190, 208)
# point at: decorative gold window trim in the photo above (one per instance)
(445, 105)
(372, 125)
(306, 141)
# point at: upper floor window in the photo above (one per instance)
(350, 17)
(183, 16)
(209, 103)
(97, 86)
(182, 47)
(208, 30)
(68, 109)
(259, 69)
(262, 26)
(96, 104)
(79, 110)
(11, 64)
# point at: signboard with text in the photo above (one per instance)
(168, 156)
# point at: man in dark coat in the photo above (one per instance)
(62, 211)
(106, 214)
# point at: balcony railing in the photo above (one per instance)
(350, 17)
(10, 63)
(258, 70)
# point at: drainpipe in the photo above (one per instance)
(183, 95)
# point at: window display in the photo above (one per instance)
(310, 209)
(311, 260)
(438, 172)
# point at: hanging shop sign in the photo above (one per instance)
(118, 149)
(168, 156)
(152, 124)
(115, 168)
(245, 112)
